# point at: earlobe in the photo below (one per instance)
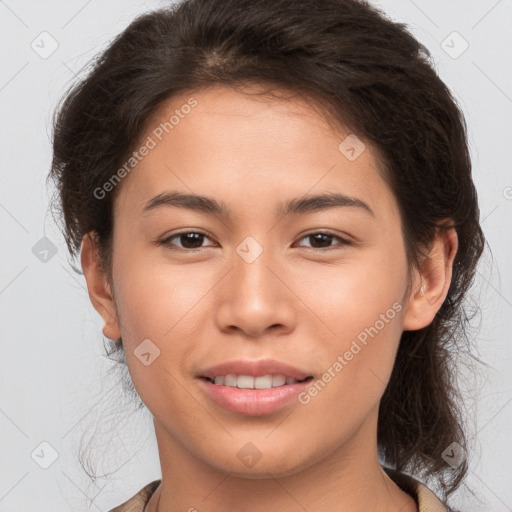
(100, 293)
(432, 281)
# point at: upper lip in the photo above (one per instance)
(254, 368)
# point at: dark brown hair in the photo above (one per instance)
(368, 73)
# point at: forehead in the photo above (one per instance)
(218, 141)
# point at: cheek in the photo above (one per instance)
(357, 365)
(360, 309)
(157, 300)
(160, 303)
(354, 294)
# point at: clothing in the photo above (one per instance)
(426, 500)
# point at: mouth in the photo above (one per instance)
(253, 387)
(253, 396)
(267, 381)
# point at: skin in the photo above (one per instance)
(295, 303)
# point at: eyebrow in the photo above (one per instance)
(296, 206)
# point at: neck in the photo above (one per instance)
(347, 479)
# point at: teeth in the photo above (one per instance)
(280, 380)
(249, 382)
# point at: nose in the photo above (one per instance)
(255, 299)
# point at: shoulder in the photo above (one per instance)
(426, 499)
(138, 502)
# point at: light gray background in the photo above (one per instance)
(54, 385)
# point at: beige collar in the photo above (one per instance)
(426, 499)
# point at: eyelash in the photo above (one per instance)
(166, 241)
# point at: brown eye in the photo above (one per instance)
(321, 240)
(186, 240)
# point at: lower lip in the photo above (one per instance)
(253, 402)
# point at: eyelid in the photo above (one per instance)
(166, 239)
(343, 240)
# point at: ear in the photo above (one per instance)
(431, 283)
(100, 292)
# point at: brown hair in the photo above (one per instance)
(369, 73)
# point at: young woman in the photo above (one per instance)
(276, 220)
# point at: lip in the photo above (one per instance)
(254, 368)
(253, 402)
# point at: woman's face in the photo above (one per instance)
(255, 283)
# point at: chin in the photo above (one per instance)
(263, 468)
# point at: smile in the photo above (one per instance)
(249, 382)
